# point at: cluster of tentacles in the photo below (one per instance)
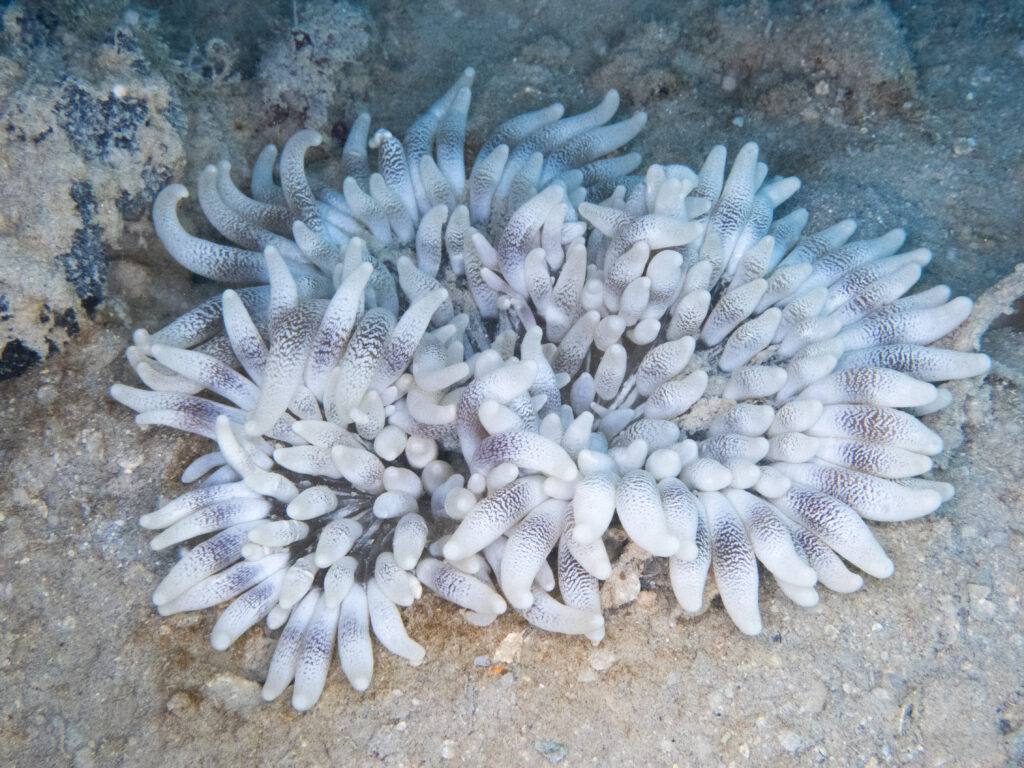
(459, 381)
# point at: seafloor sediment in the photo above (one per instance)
(893, 115)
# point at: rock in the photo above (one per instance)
(234, 693)
(302, 74)
(790, 741)
(509, 649)
(71, 144)
(552, 750)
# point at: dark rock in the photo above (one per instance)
(85, 265)
(94, 126)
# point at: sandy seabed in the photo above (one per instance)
(892, 114)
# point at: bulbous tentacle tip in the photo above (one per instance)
(497, 605)
(883, 569)
(453, 551)
(140, 338)
(301, 702)
(520, 599)
(172, 193)
(687, 551)
(748, 625)
(359, 682)
(307, 137)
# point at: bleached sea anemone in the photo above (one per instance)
(459, 381)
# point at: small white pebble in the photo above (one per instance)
(790, 741)
(601, 659)
(447, 749)
(508, 650)
(46, 394)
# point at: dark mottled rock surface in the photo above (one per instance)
(85, 144)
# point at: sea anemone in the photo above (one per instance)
(460, 380)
